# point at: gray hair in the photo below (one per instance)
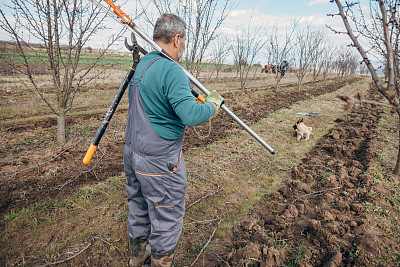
(167, 26)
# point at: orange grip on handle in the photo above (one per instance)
(89, 154)
(201, 98)
(124, 17)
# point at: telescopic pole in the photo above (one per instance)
(202, 88)
(125, 19)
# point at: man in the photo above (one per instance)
(160, 105)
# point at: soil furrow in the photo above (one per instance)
(331, 211)
(66, 173)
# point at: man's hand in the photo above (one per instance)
(216, 99)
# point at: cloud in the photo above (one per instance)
(238, 18)
(318, 2)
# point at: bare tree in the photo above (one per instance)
(246, 47)
(363, 68)
(371, 30)
(63, 27)
(319, 59)
(346, 62)
(308, 43)
(203, 21)
(280, 46)
(219, 51)
(386, 31)
(328, 62)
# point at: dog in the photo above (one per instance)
(302, 130)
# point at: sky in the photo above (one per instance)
(289, 7)
(284, 12)
(281, 13)
(260, 12)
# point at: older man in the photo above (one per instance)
(160, 105)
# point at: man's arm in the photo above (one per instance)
(177, 91)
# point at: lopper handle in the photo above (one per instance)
(89, 154)
(197, 95)
(124, 17)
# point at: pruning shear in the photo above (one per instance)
(311, 114)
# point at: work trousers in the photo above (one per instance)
(155, 199)
(155, 178)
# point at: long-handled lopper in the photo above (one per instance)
(126, 20)
(135, 48)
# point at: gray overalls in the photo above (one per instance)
(155, 178)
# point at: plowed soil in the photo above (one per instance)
(333, 210)
(33, 170)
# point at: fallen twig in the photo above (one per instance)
(227, 264)
(204, 247)
(41, 164)
(316, 193)
(68, 259)
(288, 169)
(202, 177)
(81, 251)
(202, 222)
(108, 243)
(84, 172)
(213, 193)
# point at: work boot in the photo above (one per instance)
(140, 252)
(162, 259)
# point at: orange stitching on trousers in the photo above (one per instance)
(176, 168)
(149, 174)
(164, 207)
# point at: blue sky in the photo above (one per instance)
(261, 12)
(290, 7)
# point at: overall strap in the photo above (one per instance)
(148, 66)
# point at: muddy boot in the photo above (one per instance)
(140, 252)
(162, 259)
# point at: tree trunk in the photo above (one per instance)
(277, 87)
(61, 128)
(300, 83)
(397, 167)
(278, 80)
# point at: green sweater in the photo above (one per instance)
(166, 96)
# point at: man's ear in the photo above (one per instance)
(177, 39)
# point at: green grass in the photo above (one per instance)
(299, 256)
(84, 60)
(50, 228)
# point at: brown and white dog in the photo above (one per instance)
(302, 130)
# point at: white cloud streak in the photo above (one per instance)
(318, 2)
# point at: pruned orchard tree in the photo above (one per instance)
(63, 28)
(382, 30)
(319, 59)
(363, 68)
(279, 47)
(246, 47)
(370, 28)
(308, 44)
(328, 64)
(220, 48)
(346, 62)
(203, 21)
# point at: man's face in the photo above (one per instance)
(181, 47)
